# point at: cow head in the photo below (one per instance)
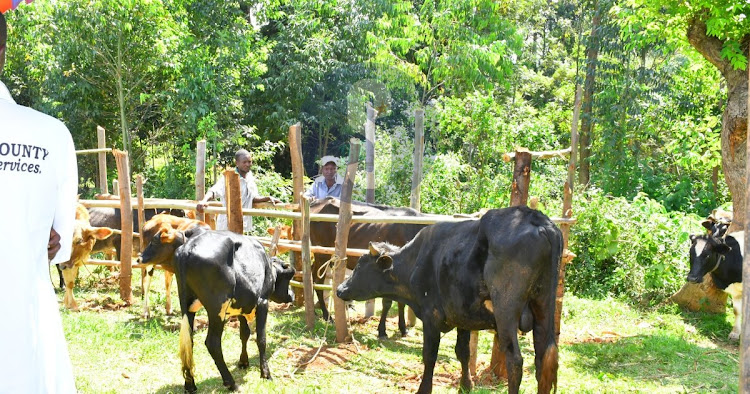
(162, 246)
(706, 253)
(373, 273)
(84, 237)
(282, 293)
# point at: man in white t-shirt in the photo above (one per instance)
(248, 191)
(38, 163)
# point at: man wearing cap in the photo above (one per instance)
(248, 192)
(329, 184)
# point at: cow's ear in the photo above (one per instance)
(99, 232)
(384, 262)
(167, 237)
(693, 237)
(708, 224)
(373, 250)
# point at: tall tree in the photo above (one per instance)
(587, 120)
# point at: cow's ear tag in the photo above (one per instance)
(384, 262)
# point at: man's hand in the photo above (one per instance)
(53, 246)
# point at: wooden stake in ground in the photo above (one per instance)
(416, 182)
(200, 175)
(126, 209)
(298, 187)
(101, 142)
(342, 239)
(307, 281)
(370, 173)
(233, 201)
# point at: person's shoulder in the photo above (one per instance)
(28, 116)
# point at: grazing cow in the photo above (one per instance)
(360, 235)
(722, 258)
(162, 224)
(84, 237)
(474, 275)
(230, 275)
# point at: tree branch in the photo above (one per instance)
(709, 47)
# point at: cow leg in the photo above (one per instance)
(735, 291)
(402, 319)
(322, 304)
(186, 349)
(316, 265)
(429, 354)
(70, 274)
(213, 344)
(507, 315)
(168, 288)
(244, 336)
(261, 315)
(383, 317)
(60, 274)
(463, 353)
(146, 276)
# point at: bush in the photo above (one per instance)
(629, 249)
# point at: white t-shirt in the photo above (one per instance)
(39, 175)
(248, 192)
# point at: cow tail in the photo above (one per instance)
(549, 370)
(186, 348)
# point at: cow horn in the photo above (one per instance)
(373, 250)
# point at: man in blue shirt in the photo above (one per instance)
(329, 183)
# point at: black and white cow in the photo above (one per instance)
(230, 275)
(473, 275)
(722, 258)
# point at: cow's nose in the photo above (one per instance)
(695, 279)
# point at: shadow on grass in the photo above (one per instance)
(655, 358)
(711, 325)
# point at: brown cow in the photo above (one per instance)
(84, 237)
(360, 236)
(162, 224)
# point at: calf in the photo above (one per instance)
(84, 237)
(722, 258)
(473, 275)
(230, 275)
(162, 253)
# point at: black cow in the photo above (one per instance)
(230, 275)
(722, 258)
(360, 235)
(473, 275)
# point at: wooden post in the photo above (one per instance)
(101, 144)
(141, 212)
(307, 281)
(370, 171)
(745, 329)
(342, 239)
(115, 185)
(233, 202)
(298, 187)
(519, 189)
(567, 209)
(126, 209)
(416, 181)
(200, 175)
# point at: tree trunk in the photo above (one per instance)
(592, 54)
(734, 119)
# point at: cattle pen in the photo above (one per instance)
(298, 213)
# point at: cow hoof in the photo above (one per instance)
(243, 364)
(191, 388)
(404, 333)
(734, 336)
(382, 337)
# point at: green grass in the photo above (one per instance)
(606, 347)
